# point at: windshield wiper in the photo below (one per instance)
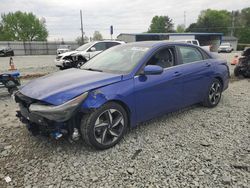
(90, 69)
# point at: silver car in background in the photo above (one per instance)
(82, 54)
(225, 47)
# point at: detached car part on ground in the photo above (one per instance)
(81, 55)
(243, 66)
(10, 81)
(119, 88)
(6, 51)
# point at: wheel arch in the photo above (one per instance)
(124, 106)
(221, 80)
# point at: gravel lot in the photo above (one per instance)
(196, 147)
(30, 64)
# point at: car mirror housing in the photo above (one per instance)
(152, 70)
(93, 49)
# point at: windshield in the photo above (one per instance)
(63, 46)
(85, 46)
(225, 44)
(120, 59)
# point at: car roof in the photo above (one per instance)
(108, 41)
(152, 44)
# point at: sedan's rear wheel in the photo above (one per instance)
(214, 94)
(104, 127)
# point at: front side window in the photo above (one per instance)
(100, 46)
(163, 58)
(195, 42)
(111, 44)
(190, 54)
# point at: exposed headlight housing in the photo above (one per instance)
(58, 113)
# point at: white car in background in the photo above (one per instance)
(82, 54)
(62, 49)
(195, 42)
(225, 47)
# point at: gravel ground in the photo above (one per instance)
(196, 147)
(30, 64)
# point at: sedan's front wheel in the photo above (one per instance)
(214, 94)
(105, 126)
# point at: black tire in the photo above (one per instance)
(237, 71)
(96, 134)
(62, 68)
(213, 96)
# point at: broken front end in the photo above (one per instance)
(243, 67)
(46, 119)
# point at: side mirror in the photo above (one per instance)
(152, 70)
(93, 49)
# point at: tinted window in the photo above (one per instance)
(100, 46)
(163, 58)
(190, 54)
(111, 44)
(195, 42)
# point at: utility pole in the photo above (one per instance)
(185, 20)
(81, 26)
(233, 20)
(111, 31)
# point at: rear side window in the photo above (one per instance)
(190, 54)
(111, 44)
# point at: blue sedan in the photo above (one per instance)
(120, 88)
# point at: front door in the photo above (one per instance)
(158, 94)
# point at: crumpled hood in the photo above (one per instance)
(60, 87)
(69, 53)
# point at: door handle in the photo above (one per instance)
(208, 64)
(176, 74)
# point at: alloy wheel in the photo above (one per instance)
(215, 93)
(108, 126)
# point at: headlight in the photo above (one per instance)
(58, 113)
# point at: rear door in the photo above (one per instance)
(196, 71)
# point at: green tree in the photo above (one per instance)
(161, 24)
(180, 28)
(22, 26)
(245, 16)
(97, 36)
(212, 21)
(242, 31)
(79, 40)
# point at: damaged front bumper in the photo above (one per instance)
(45, 119)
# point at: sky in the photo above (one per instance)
(127, 16)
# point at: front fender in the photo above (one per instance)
(122, 92)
